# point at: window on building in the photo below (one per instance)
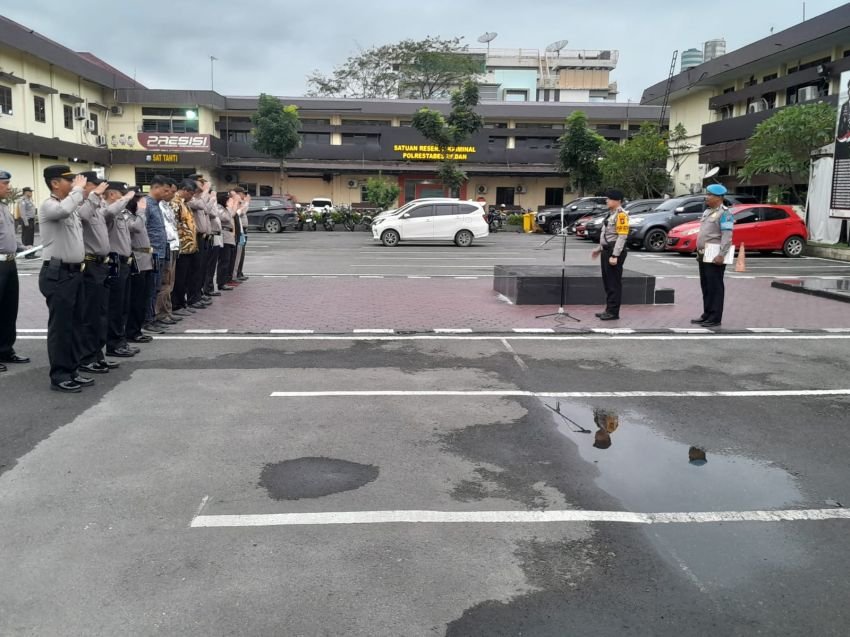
(534, 125)
(495, 124)
(316, 122)
(365, 122)
(145, 174)
(68, 116)
(601, 127)
(768, 78)
(166, 112)
(266, 191)
(516, 95)
(497, 142)
(96, 131)
(40, 108)
(770, 98)
(5, 100)
(846, 54)
(240, 136)
(170, 125)
(730, 89)
(752, 81)
(809, 65)
(363, 195)
(536, 143)
(505, 195)
(356, 139)
(554, 197)
(184, 126)
(251, 189)
(316, 139)
(726, 112)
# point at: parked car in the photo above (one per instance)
(650, 230)
(433, 220)
(272, 214)
(593, 228)
(550, 220)
(321, 203)
(766, 228)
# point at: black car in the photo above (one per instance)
(550, 220)
(272, 214)
(649, 231)
(593, 227)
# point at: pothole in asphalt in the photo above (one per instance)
(648, 471)
(314, 477)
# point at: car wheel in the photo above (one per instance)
(655, 241)
(464, 239)
(794, 246)
(554, 227)
(390, 238)
(272, 225)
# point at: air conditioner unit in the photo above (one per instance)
(758, 107)
(807, 94)
(353, 183)
(91, 126)
(521, 190)
(100, 140)
(481, 189)
(116, 110)
(81, 112)
(231, 178)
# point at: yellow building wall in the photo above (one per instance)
(29, 171)
(692, 112)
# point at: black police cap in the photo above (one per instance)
(120, 186)
(57, 171)
(616, 195)
(92, 178)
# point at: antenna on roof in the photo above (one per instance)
(487, 38)
(556, 47)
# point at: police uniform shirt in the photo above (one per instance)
(716, 227)
(95, 232)
(615, 231)
(199, 211)
(9, 243)
(27, 208)
(227, 233)
(61, 228)
(139, 241)
(116, 225)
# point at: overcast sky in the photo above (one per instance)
(272, 45)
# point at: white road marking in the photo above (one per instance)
(837, 330)
(768, 330)
(511, 517)
(447, 330)
(518, 393)
(324, 276)
(42, 330)
(690, 330)
(418, 265)
(533, 330)
(371, 276)
(418, 277)
(406, 258)
(449, 251)
(373, 331)
(466, 278)
(612, 330)
(516, 357)
(292, 331)
(206, 331)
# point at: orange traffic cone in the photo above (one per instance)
(741, 261)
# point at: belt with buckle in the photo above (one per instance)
(6, 257)
(147, 250)
(94, 258)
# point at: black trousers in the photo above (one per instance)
(241, 261)
(9, 293)
(612, 280)
(212, 264)
(28, 233)
(713, 290)
(186, 266)
(141, 285)
(65, 302)
(225, 264)
(119, 309)
(198, 274)
(95, 312)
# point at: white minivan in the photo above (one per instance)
(433, 220)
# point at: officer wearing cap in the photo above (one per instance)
(27, 212)
(9, 246)
(715, 229)
(612, 248)
(115, 199)
(60, 279)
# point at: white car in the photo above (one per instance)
(433, 220)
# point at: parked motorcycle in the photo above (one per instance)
(495, 220)
(310, 221)
(328, 220)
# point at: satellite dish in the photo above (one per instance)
(711, 173)
(556, 47)
(488, 37)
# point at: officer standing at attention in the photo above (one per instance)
(9, 246)
(60, 279)
(116, 197)
(612, 247)
(715, 229)
(28, 212)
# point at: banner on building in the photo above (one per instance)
(164, 142)
(840, 199)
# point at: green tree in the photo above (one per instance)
(422, 69)
(579, 150)
(782, 145)
(381, 192)
(12, 196)
(638, 166)
(276, 129)
(446, 133)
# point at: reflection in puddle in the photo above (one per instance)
(649, 472)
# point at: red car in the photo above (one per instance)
(763, 227)
(581, 226)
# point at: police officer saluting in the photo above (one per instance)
(116, 198)
(9, 246)
(60, 279)
(612, 247)
(715, 230)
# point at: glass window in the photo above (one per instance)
(68, 116)
(768, 78)
(40, 108)
(316, 122)
(5, 100)
(93, 117)
(696, 206)
(505, 195)
(365, 122)
(516, 95)
(251, 189)
(446, 209)
(240, 136)
(316, 139)
(773, 214)
(266, 191)
(750, 215)
(554, 197)
(466, 209)
(355, 139)
(422, 211)
(145, 175)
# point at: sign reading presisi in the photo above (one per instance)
(424, 152)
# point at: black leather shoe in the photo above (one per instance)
(600, 314)
(698, 321)
(180, 313)
(94, 368)
(122, 352)
(609, 317)
(2, 367)
(141, 338)
(67, 386)
(83, 381)
(133, 350)
(215, 293)
(153, 329)
(110, 364)
(241, 277)
(198, 306)
(14, 358)
(710, 323)
(165, 321)
(226, 288)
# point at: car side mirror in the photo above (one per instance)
(680, 210)
(406, 215)
(265, 207)
(574, 208)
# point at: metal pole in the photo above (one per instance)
(212, 75)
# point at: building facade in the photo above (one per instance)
(721, 101)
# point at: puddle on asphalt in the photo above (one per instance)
(649, 472)
(302, 478)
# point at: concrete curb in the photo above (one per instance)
(839, 254)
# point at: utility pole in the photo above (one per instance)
(213, 59)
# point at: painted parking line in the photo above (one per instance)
(373, 331)
(292, 331)
(533, 330)
(518, 393)
(612, 330)
(343, 518)
(448, 330)
(690, 330)
(206, 331)
(768, 330)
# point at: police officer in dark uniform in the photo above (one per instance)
(60, 279)
(9, 291)
(715, 230)
(613, 249)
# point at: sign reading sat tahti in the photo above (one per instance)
(424, 152)
(840, 203)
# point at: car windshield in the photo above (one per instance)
(318, 203)
(670, 204)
